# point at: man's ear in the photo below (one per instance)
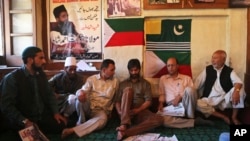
(65, 68)
(30, 60)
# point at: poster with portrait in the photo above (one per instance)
(75, 29)
(121, 8)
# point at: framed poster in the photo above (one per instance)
(189, 4)
(75, 29)
(122, 8)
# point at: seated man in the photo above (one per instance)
(222, 88)
(175, 88)
(65, 85)
(27, 98)
(95, 100)
(132, 103)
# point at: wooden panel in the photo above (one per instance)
(186, 4)
(60, 65)
(247, 74)
(85, 74)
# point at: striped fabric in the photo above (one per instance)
(167, 38)
(122, 32)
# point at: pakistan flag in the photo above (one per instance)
(167, 38)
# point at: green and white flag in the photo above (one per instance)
(164, 39)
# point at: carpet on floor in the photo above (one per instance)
(198, 133)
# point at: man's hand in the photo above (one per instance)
(177, 100)
(57, 96)
(82, 96)
(59, 118)
(134, 111)
(27, 123)
(160, 107)
(236, 98)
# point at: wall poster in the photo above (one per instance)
(121, 8)
(75, 29)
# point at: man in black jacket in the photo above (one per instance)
(27, 98)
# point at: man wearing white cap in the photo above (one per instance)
(65, 85)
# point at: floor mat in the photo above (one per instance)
(198, 133)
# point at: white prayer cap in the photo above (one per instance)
(70, 61)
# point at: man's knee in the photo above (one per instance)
(128, 92)
(102, 121)
(190, 91)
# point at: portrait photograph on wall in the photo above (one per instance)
(75, 29)
(157, 1)
(184, 4)
(122, 8)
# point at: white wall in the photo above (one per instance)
(212, 29)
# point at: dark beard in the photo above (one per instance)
(35, 68)
(72, 76)
(134, 76)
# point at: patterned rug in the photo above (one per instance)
(198, 133)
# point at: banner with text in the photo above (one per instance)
(75, 29)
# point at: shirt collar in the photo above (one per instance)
(178, 76)
(26, 72)
(98, 76)
(219, 68)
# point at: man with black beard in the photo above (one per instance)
(132, 102)
(65, 85)
(27, 98)
(63, 25)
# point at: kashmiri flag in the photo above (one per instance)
(164, 39)
(122, 32)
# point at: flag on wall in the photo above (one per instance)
(121, 32)
(164, 39)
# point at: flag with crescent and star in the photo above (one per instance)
(167, 38)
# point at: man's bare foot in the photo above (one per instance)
(236, 121)
(226, 119)
(121, 132)
(121, 128)
(120, 135)
(66, 132)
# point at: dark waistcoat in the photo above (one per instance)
(211, 76)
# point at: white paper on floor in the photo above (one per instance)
(151, 137)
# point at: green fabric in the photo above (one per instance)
(122, 25)
(167, 31)
(182, 57)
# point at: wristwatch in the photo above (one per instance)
(25, 121)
